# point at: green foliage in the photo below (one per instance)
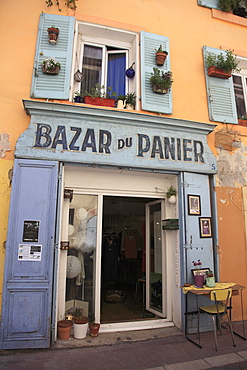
(162, 79)
(131, 99)
(70, 4)
(160, 50)
(99, 92)
(121, 97)
(228, 5)
(225, 61)
(171, 191)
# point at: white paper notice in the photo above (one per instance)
(29, 252)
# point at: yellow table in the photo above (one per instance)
(205, 291)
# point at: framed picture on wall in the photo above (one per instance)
(205, 227)
(194, 205)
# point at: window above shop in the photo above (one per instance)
(240, 89)
(103, 55)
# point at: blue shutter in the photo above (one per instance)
(221, 98)
(151, 101)
(209, 3)
(53, 86)
(27, 293)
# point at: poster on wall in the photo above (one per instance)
(29, 252)
(30, 231)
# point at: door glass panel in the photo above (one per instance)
(80, 277)
(155, 250)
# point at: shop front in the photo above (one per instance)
(90, 225)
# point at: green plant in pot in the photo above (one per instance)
(131, 100)
(161, 56)
(161, 81)
(100, 96)
(121, 99)
(78, 97)
(171, 195)
(221, 65)
(93, 326)
(210, 279)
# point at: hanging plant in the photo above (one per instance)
(70, 4)
(161, 56)
(161, 81)
(53, 33)
(51, 66)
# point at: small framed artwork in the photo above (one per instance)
(205, 227)
(194, 205)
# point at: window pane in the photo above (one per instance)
(91, 67)
(80, 282)
(116, 72)
(239, 96)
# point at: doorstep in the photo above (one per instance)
(108, 339)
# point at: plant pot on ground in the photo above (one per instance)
(221, 65)
(64, 329)
(94, 329)
(161, 56)
(161, 81)
(80, 327)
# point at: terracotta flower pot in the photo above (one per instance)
(94, 329)
(99, 101)
(53, 35)
(217, 72)
(64, 329)
(160, 58)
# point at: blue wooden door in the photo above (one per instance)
(27, 295)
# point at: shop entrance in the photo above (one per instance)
(123, 271)
(115, 268)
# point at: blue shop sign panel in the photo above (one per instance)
(114, 143)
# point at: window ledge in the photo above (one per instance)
(228, 17)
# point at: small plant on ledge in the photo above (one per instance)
(100, 96)
(131, 100)
(161, 81)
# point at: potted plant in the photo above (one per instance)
(210, 279)
(78, 97)
(161, 56)
(171, 195)
(80, 325)
(221, 65)
(161, 81)
(131, 100)
(93, 327)
(53, 33)
(121, 101)
(64, 328)
(98, 96)
(50, 66)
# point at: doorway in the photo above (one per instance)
(123, 266)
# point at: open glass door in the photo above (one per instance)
(155, 260)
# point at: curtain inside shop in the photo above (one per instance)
(116, 72)
(91, 67)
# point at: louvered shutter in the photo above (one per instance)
(151, 101)
(221, 98)
(53, 86)
(209, 3)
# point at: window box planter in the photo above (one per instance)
(160, 90)
(242, 122)
(217, 72)
(53, 71)
(99, 101)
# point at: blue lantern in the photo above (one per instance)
(130, 73)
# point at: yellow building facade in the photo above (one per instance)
(115, 159)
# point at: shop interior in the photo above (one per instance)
(123, 259)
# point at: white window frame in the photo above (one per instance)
(243, 75)
(97, 35)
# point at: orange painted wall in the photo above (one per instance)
(232, 249)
